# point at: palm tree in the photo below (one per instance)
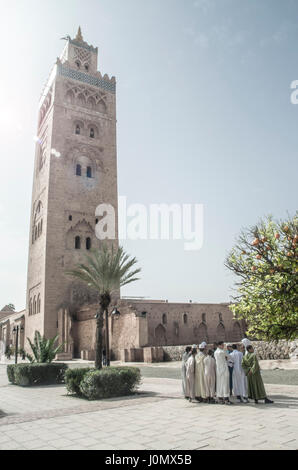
(106, 270)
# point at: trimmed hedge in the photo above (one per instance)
(28, 375)
(105, 383)
(73, 379)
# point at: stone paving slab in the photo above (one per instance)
(159, 419)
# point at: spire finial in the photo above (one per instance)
(79, 36)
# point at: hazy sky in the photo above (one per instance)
(204, 116)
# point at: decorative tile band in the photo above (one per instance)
(83, 77)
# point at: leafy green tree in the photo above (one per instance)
(105, 270)
(265, 260)
(43, 350)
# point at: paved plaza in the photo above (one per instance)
(158, 418)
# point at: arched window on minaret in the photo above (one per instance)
(91, 103)
(88, 243)
(78, 64)
(101, 107)
(70, 97)
(78, 129)
(81, 101)
(30, 307)
(89, 172)
(93, 131)
(78, 243)
(38, 303)
(34, 306)
(78, 170)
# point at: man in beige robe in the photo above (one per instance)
(183, 371)
(190, 375)
(200, 388)
(210, 376)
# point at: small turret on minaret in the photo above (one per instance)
(80, 55)
(79, 36)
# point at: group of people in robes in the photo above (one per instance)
(214, 375)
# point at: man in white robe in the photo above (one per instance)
(210, 376)
(239, 377)
(222, 375)
(190, 375)
(183, 371)
(200, 388)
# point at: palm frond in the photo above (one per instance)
(106, 270)
(44, 350)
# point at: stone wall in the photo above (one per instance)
(279, 350)
(264, 350)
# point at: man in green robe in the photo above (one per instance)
(251, 367)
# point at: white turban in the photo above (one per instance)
(246, 342)
(203, 345)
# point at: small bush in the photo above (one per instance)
(109, 383)
(28, 375)
(10, 373)
(73, 379)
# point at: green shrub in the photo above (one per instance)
(9, 351)
(108, 383)
(28, 375)
(10, 373)
(73, 379)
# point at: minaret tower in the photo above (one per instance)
(75, 171)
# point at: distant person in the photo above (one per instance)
(200, 389)
(239, 377)
(222, 375)
(251, 367)
(104, 357)
(210, 376)
(184, 361)
(190, 375)
(231, 368)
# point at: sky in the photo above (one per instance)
(204, 117)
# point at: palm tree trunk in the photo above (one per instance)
(98, 347)
(107, 339)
